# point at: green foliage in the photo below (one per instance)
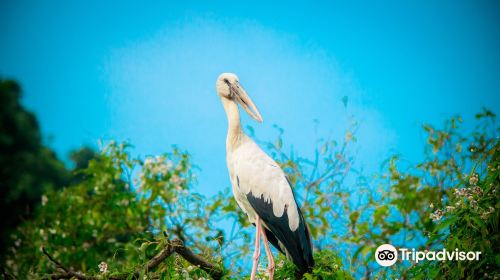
(27, 167)
(328, 265)
(469, 222)
(114, 216)
(401, 210)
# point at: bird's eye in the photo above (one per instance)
(226, 81)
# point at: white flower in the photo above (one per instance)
(473, 179)
(44, 200)
(478, 190)
(148, 161)
(123, 202)
(103, 267)
(175, 179)
(160, 158)
(437, 215)
(473, 203)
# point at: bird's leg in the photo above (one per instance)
(270, 258)
(256, 254)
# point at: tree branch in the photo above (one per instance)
(197, 260)
(175, 245)
(158, 258)
(67, 274)
(58, 264)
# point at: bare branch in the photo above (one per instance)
(67, 274)
(73, 275)
(58, 264)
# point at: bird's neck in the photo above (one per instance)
(234, 132)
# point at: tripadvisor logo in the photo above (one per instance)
(387, 255)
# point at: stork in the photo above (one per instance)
(260, 186)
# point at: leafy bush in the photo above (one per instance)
(469, 222)
(113, 215)
(327, 266)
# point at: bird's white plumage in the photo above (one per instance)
(253, 171)
(260, 187)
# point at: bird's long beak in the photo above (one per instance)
(245, 102)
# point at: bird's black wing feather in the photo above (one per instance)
(297, 243)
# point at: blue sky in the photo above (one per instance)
(145, 71)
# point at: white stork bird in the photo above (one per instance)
(260, 187)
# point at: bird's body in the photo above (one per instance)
(243, 163)
(260, 186)
(261, 189)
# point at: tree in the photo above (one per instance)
(27, 167)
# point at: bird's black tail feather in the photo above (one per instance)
(295, 244)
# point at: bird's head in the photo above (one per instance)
(229, 88)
